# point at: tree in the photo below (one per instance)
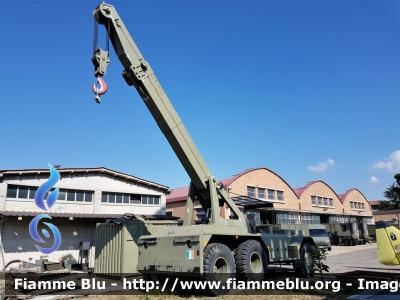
(392, 193)
(319, 260)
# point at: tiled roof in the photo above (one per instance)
(180, 194)
(300, 191)
(343, 197)
(375, 202)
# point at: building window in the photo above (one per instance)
(62, 194)
(322, 201)
(28, 192)
(12, 191)
(119, 198)
(251, 191)
(79, 196)
(313, 200)
(21, 192)
(134, 199)
(336, 219)
(261, 193)
(271, 194)
(357, 205)
(349, 220)
(76, 195)
(256, 214)
(367, 220)
(279, 195)
(70, 195)
(310, 219)
(286, 218)
(151, 200)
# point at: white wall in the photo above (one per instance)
(84, 181)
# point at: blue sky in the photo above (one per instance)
(308, 89)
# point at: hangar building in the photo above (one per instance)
(314, 203)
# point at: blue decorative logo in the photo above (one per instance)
(39, 201)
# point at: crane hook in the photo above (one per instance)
(99, 90)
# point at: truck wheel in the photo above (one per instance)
(251, 260)
(219, 265)
(305, 266)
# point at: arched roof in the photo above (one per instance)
(300, 191)
(343, 197)
(180, 194)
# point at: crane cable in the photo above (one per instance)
(102, 89)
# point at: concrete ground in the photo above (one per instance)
(343, 259)
(361, 257)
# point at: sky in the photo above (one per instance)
(307, 89)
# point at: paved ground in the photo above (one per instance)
(361, 257)
(344, 259)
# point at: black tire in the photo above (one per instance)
(219, 265)
(251, 261)
(305, 267)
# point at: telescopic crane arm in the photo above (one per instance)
(137, 72)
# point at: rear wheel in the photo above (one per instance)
(251, 260)
(305, 266)
(219, 265)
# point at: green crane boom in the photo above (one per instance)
(137, 72)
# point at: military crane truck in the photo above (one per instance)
(217, 246)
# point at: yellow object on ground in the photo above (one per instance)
(388, 239)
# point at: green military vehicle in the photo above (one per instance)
(217, 248)
(345, 233)
(316, 231)
(118, 238)
(320, 235)
(364, 234)
(372, 230)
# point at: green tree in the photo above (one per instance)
(392, 193)
(319, 260)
